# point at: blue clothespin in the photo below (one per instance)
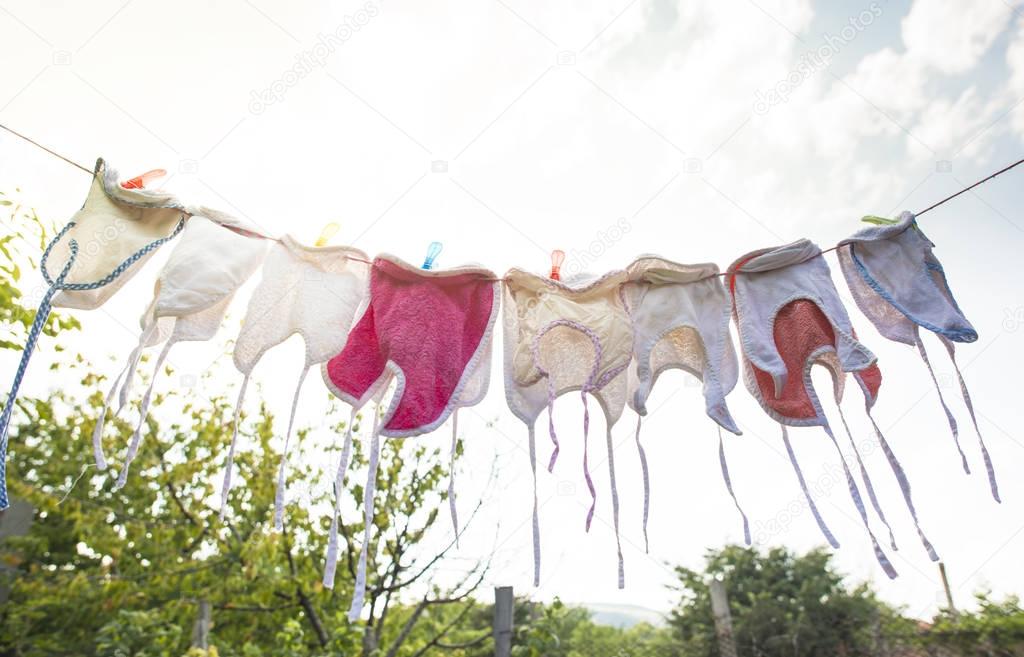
(432, 252)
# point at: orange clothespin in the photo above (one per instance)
(140, 181)
(557, 258)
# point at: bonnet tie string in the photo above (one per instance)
(639, 446)
(993, 486)
(901, 479)
(536, 510)
(728, 484)
(129, 369)
(586, 460)
(331, 561)
(97, 432)
(588, 386)
(615, 506)
(859, 503)
(42, 314)
(279, 493)
(867, 480)
(225, 488)
(359, 592)
(451, 476)
(133, 363)
(133, 447)
(942, 400)
(551, 426)
(647, 482)
(807, 493)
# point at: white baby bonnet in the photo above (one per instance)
(310, 291)
(767, 281)
(562, 337)
(113, 224)
(192, 293)
(680, 318)
(900, 285)
(771, 279)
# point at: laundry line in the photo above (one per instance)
(556, 255)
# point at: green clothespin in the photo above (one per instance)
(878, 221)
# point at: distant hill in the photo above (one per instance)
(623, 616)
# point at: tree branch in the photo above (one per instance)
(435, 642)
(307, 605)
(407, 628)
(437, 557)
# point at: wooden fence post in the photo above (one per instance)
(503, 605)
(201, 629)
(723, 619)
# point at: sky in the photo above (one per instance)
(506, 129)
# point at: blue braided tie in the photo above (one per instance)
(43, 313)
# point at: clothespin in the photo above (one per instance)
(557, 258)
(882, 221)
(138, 182)
(877, 221)
(432, 252)
(329, 231)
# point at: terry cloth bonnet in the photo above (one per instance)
(562, 337)
(680, 318)
(117, 221)
(306, 290)
(207, 266)
(431, 332)
(789, 318)
(900, 285)
(118, 228)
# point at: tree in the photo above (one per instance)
(781, 604)
(122, 572)
(994, 629)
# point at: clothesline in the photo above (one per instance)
(249, 233)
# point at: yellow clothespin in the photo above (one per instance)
(329, 231)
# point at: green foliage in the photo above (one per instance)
(138, 634)
(557, 630)
(25, 234)
(995, 628)
(781, 604)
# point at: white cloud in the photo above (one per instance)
(1015, 88)
(949, 126)
(951, 36)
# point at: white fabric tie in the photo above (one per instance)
(359, 592)
(331, 561)
(279, 494)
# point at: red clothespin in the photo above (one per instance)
(557, 258)
(138, 182)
